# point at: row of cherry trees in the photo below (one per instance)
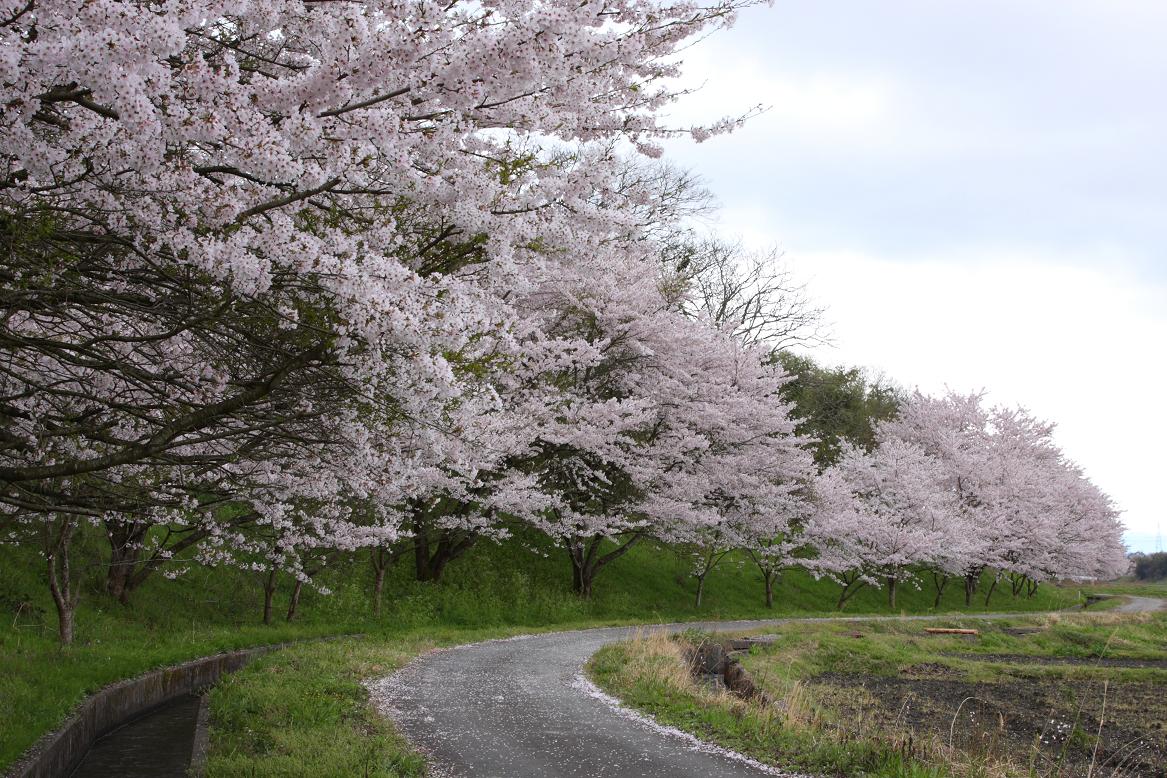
(953, 489)
(287, 279)
(945, 490)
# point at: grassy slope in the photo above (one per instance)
(511, 586)
(303, 711)
(1129, 586)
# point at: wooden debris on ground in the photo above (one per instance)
(950, 631)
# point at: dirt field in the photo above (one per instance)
(1057, 698)
(1057, 727)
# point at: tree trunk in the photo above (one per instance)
(576, 574)
(585, 585)
(125, 551)
(382, 558)
(770, 575)
(712, 557)
(378, 588)
(992, 588)
(421, 551)
(294, 603)
(65, 613)
(850, 586)
(452, 546)
(972, 582)
(65, 624)
(269, 591)
(587, 562)
(581, 574)
(1031, 588)
(940, 582)
(891, 592)
(1017, 583)
(61, 584)
(380, 565)
(432, 554)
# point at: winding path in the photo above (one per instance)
(1141, 605)
(522, 707)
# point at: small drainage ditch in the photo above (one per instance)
(144, 726)
(715, 662)
(159, 744)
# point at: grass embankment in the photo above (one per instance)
(517, 586)
(1059, 695)
(304, 711)
(1135, 588)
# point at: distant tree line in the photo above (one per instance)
(1150, 567)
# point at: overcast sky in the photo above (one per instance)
(977, 192)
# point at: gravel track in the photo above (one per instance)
(522, 707)
(1141, 605)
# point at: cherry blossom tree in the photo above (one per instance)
(753, 299)
(884, 516)
(666, 426)
(1051, 520)
(709, 548)
(762, 473)
(1015, 504)
(291, 279)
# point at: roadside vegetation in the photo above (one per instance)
(1128, 587)
(303, 711)
(510, 587)
(1057, 695)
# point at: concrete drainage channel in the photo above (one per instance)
(152, 725)
(163, 742)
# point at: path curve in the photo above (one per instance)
(521, 707)
(1141, 604)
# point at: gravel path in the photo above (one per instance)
(522, 707)
(1141, 604)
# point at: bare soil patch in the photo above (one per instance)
(1060, 727)
(1025, 659)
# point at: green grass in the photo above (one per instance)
(303, 711)
(888, 648)
(520, 585)
(1128, 586)
(42, 681)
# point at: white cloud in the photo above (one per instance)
(816, 107)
